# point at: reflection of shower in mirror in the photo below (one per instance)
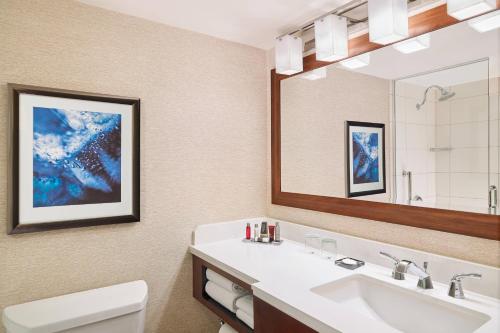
(445, 95)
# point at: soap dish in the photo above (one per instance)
(349, 263)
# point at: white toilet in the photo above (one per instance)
(116, 309)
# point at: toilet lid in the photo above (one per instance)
(73, 310)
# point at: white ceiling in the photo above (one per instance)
(450, 46)
(250, 22)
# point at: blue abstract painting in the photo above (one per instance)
(76, 157)
(365, 151)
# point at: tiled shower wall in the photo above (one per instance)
(414, 135)
(467, 125)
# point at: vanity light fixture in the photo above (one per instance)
(288, 55)
(330, 33)
(416, 44)
(359, 61)
(387, 20)
(463, 9)
(315, 74)
(486, 22)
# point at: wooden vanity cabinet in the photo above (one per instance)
(267, 319)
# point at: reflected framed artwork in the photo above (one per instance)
(74, 159)
(365, 167)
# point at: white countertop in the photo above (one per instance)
(284, 275)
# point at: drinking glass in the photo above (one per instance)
(329, 248)
(312, 243)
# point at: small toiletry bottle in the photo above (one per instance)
(272, 229)
(277, 232)
(248, 231)
(256, 232)
(264, 232)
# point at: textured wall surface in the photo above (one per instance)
(203, 142)
(463, 247)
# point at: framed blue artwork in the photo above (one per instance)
(74, 159)
(365, 147)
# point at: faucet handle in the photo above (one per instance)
(456, 290)
(390, 256)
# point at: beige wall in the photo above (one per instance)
(313, 129)
(468, 248)
(203, 137)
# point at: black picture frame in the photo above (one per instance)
(14, 226)
(350, 192)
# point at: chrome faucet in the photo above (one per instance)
(401, 267)
(456, 289)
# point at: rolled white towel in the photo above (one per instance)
(224, 283)
(222, 296)
(245, 317)
(227, 329)
(245, 303)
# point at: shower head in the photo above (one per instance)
(445, 95)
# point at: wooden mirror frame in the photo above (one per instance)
(465, 223)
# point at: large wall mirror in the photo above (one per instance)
(407, 133)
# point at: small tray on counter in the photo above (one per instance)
(349, 263)
(261, 242)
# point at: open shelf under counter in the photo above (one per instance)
(199, 281)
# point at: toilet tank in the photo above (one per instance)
(115, 309)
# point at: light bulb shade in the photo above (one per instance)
(486, 22)
(330, 33)
(387, 20)
(463, 9)
(414, 44)
(357, 62)
(288, 53)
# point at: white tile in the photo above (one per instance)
(401, 164)
(442, 202)
(419, 185)
(431, 136)
(431, 114)
(469, 135)
(469, 109)
(414, 115)
(416, 136)
(417, 160)
(494, 159)
(443, 184)
(442, 136)
(475, 88)
(443, 113)
(431, 185)
(400, 190)
(469, 185)
(442, 161)
(469, 204)
(469, 160)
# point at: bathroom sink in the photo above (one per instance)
(399, 308)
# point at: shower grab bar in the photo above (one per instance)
(492, 199)
(410, 190)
